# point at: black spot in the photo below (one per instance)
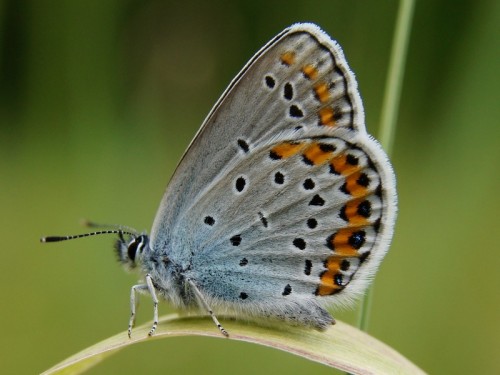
(288, 91)
(243, 295)
(352, 160)
(209, 220)
(240, 184)
(299, 243)
(279, 178)
(312, 223)
(338, 279)
(296, 111)
(364, 256)
(263, 219)
(317, 201)
(306, 160)
(365, 209)
(273, 155)
(235, 240)
(342, 214)
(337, 114)
(376, 225)
(332, 170)
(357, 239)
(309, 184)
(363, 180)
(243, 145)
(270, 82)
(298, 127)
(287, 290)
(344, 266)
(343, 189)
(307, 269)
(325, 147)
(243, 262)
(329, 241)
(378, 191)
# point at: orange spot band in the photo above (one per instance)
(352, 213)
(310, 72)
(318, 155)
(340, 165)
(321, 91)
(286, 149)
(353, 186)
(288, 58)
(340, 243)
(326, 116)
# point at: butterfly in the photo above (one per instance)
(282, 205)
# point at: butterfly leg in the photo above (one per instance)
(152, 291)
(133, 304)
(201, 299)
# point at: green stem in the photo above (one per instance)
(390, 106)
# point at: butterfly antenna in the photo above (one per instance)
(72, 237)
(92, 224)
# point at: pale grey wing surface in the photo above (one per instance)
(300, 80)
(298, 224)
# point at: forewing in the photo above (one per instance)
(300, 79)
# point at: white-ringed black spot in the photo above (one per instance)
(243, 262)
(236, 240)
(270, 81)
(307, 269)
(317, 201)
(312, 223)
(288, 91)
(209, 220)
(299, 243)
(243, 295)
(240, 184)
(296, 111)
(308, 184)
(287, 290)
(365, 209)
(279, 178)
(326, 147)
(352, 160)
(344, 266)
(363, 180)
(243, 145)
(357, 239)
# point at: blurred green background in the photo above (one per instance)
(98, 100)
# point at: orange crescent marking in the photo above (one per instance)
(316, 155)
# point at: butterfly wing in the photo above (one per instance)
(282, 203)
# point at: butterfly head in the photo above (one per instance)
(130, 251)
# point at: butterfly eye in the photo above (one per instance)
(132, 249)
(136, 247)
